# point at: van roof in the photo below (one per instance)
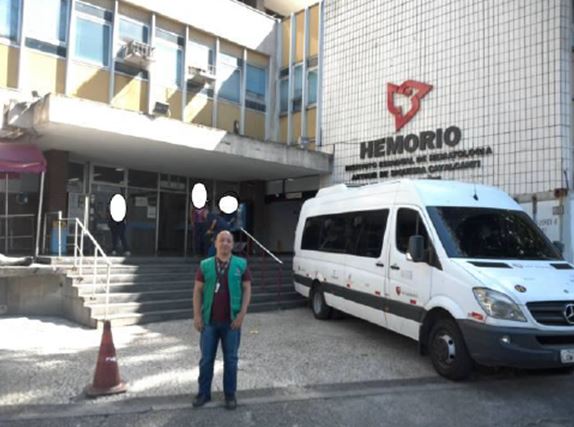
(427, 192)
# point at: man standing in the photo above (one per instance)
(221, 296)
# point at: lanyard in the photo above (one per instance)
(221, 268)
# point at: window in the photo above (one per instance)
(367, 231)
(284, 95)
(230, 76)
(311, 234)
(333, 234)
(133, 30)
(109, 175)
(298, 87)
(47, 20)
(255, 91)
(170, 55)
(142, 179)
(93, 32)
(9, 19)
(200, 56)
(409, 223)
(490, 233)
(312, 87)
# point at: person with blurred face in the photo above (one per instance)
(221, 296)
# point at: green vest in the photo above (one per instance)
(237, 267)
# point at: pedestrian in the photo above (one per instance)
(198, 221)
(118, 230)
(216, 224)
(221, 297)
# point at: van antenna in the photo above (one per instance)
(475, 197)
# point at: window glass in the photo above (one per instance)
(230, 83)
(490, 233)
(170, 56)
(132, 30)
(298, 82)
(333, 234)
(367, 231)
(92, 41)
(109, 175)
(9, 18)
(409, 223)
(47, 20)
(284, 95)
(312, 87)
(143, 179)
(200, 56)
(256, 82)
(311, 234)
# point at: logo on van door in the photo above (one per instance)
(413, 90)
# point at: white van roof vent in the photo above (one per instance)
(333, 189)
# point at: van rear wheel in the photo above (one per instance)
(448, 351)
(320, 308)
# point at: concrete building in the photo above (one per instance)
(147, 98)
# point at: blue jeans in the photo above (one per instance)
(210, 337)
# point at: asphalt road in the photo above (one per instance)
(540, 399)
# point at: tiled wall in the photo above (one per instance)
(500, 72)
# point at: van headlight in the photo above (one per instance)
(498, 305)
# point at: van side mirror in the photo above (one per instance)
(416, 248)
(560, 246)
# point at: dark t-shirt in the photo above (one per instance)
(221, 309)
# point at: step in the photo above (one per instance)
(140, 307)
(129, 287)
(131, 278)
(146, 296)
(167, 315)
(139, 260)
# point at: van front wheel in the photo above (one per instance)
(320, 308)
(448, 351)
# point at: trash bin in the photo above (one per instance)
(54, 238)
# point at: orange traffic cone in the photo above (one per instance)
(107, 376)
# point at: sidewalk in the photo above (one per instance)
(50, 361)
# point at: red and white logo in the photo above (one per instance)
(413, 90)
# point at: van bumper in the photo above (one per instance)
(524, 350)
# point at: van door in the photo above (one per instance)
(409, 282)
(366, 264)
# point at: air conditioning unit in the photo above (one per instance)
(201, 75)
(137, 54)
(303, 142)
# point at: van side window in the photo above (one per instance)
(367, 231)
(311, 234)
(333, 234)
(409, 223)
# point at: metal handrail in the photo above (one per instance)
(260, 245)
(79, 255)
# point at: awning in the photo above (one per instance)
(23, 158)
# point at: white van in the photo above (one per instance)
(460, 268)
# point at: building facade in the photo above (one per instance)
(147, 98)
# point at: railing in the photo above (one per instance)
(247, 249)
(79, 254)
(10, 232)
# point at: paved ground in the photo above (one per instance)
(531, 401)
(50, 361)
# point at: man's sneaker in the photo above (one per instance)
(200, 400)
(230, 403)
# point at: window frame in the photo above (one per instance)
(52, 41)
(97, 20)
(309, 71)
(281, 111)
(221, 66)
(428, 243)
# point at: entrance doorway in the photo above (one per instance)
(171, 224)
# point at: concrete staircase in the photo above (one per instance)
(144, 290)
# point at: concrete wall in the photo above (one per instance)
(32, 294)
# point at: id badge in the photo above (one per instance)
(216, 287)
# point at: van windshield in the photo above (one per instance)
(490, 233)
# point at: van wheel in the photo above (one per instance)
(320, 308)
(448, 351)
